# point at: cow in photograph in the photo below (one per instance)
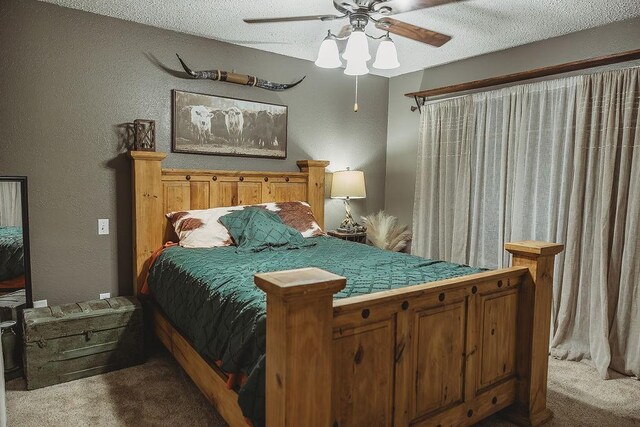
(235, 122)
(264, 129)
(279, 128)
(249, 128)
(219, 125)
(197, 119)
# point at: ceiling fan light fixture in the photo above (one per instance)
(357, 46)
(387, 55)
(328, 55)
(356, 67)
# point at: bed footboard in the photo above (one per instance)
(445, 353)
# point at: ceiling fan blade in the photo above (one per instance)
(344, 32)
(412, 32)
(391, 7)
(292, 19)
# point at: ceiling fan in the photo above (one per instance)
(360, 13)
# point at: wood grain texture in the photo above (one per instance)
(363, 361)
(531, 74)
(299, 346)
(412, 32)
(533, 320)
(438, 358)
(148, 218)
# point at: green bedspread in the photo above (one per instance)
(11, 253)
(209, 295)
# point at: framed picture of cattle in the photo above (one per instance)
(209, 124)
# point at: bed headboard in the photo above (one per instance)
(157, 191)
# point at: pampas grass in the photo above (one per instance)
(384, 232)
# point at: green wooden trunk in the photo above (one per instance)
(71, 341)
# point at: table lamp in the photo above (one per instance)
(348, 185)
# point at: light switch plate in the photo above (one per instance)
(40, 303)
(103, 226)
(105, 295)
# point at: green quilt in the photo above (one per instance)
(11, 253)
(209, 295)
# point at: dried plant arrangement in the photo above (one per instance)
(384, 232)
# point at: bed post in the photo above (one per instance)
(299, 345)
(315, 186)
(147, 194)
(534, 319)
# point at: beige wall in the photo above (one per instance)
(68, 78)
(402, 131)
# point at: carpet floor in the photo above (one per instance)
(158, 393)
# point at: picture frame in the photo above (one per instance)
(224, 126)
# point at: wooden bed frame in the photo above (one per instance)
(444, 353)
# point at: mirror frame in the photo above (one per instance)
(25, 234)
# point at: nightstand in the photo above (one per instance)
(360, 237)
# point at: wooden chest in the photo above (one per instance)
(71, 341)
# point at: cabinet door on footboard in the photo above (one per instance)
(363, 365)
(430, 369)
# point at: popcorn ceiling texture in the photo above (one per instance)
(477, 26)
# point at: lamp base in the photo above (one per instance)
(348, 225)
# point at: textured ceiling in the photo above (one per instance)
(477, 26)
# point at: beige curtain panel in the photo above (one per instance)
(10, 205)
(559, 161)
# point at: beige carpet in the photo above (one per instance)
(158, 393)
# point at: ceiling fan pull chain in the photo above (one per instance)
(355, 105)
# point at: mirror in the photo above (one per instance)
(15, 267)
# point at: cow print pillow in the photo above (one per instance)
(202, 228)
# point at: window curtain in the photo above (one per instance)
(557, 161)
(10, 205)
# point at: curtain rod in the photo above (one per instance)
(567, 67)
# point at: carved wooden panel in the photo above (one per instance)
(363, 375)
(287, 191)
(234, 193)
(199, 195)
(498, 337)
(438, 358)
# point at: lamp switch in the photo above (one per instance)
(40, 303)
(103, 226)
(105, 295)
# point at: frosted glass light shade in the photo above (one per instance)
(386, 56)
(328, 55)
(348, 184)
(357, 46)
(356, 67)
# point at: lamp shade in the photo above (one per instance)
(328, 55)
(348, 184)
(386, 56)
(356, 67)
(357, 46)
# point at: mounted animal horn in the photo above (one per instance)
(240, 79)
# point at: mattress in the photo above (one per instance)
(11, 253)
(210, 297)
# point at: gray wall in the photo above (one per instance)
(402, 131)
(68, 78)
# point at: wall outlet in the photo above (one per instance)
(40, 303)
(105, 295)
(103, 226)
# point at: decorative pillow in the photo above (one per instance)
(255, 229)
(201, 228)
(297, 215)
